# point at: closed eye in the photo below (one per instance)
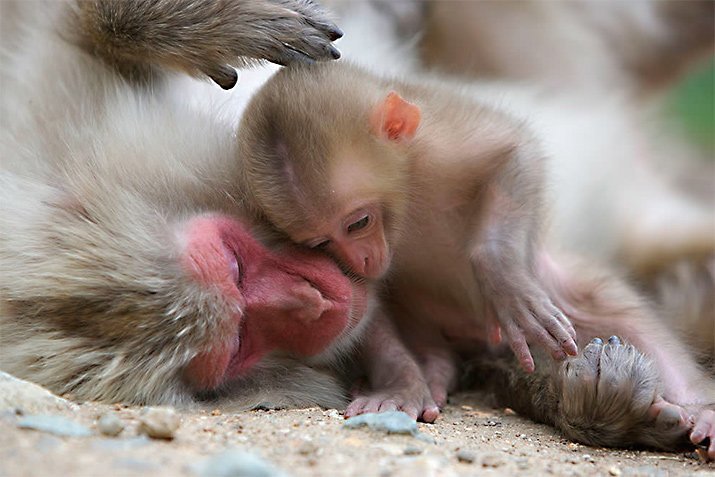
(320, 245)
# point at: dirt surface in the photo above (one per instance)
(470, 438)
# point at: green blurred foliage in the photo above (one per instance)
(693, 103)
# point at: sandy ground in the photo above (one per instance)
(470, 438)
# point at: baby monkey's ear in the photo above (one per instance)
(395, 118)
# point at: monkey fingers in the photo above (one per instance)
(297, 31)
(703, 433)
(536, 321)
(413, 399)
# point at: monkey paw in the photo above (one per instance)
(610, 397)
(527, 315)
(280, 31)
(414, 399)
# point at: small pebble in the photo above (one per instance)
(394, 422)
(159, 422)
(236, 464)
(307, 448)
(615, 471)
(110, 425)
(588, 458)
(493, 460)
(56, 425)
(466, 456)
(216, 412)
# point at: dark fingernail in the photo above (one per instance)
(597, 341)
(226, 77)
(614, 340)
(333, 52)
(334, 33)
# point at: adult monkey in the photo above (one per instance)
(128, 269)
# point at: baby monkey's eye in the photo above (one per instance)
(320, 245)
(359, 225)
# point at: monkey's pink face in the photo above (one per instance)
(356, 239)
(297, 300)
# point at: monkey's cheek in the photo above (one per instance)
(208, 370)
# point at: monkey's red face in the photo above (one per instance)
(297, 300)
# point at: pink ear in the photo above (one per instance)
(395, 118)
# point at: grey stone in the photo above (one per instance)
(110, 425)
(56, 425)
(394, 422)
(29, 398)
(159, 422)
(236, 464)
(466, 456)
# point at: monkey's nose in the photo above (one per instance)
(308, 304)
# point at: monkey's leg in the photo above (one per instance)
(204, 38)
(434, 354)
(609, 395)
(395, 380)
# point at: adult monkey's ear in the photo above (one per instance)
(395, 118)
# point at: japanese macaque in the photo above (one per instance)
(129, 271)
(440, 198)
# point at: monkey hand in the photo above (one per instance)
(280, 31)
(522, 311)
(207, 37)
(410, 395)
(610, 397)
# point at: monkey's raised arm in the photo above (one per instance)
(204, 38)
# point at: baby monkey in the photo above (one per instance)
(420, 186)
(440, 197)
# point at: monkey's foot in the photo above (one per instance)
(610, 397)
(414, 399)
